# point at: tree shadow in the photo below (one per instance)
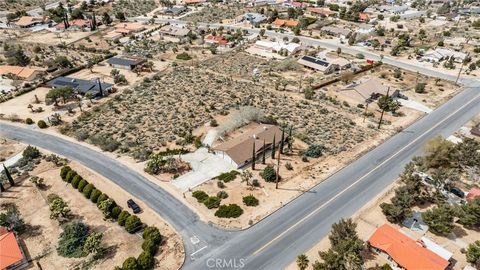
(31, 231)
(459, 231)
(298, 189)
(106, 253)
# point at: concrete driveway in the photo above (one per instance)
(205, 166)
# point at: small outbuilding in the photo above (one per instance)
(124, 63)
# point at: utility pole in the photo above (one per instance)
(461, 68)
(383, 109)
(278, 170)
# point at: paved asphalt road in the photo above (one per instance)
(274, 242)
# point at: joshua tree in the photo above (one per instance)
(246, 176)
(30, 106)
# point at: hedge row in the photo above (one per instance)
(131, 223)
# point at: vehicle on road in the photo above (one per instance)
(458, 192)
(134, 206)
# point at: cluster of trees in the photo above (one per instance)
(15, 55)
(11, 219)
(345, 249)
(445, 162)
(59, 209)
(55, 94)
(161, 164)
(77, 241)
(110, 209)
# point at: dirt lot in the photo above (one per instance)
(41, 241)
(9, 148)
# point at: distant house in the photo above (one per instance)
(392, 9)
(254, 18)
(257, 3)
(363, 17)
(337, 31)
(403, 251)
(175, 10)
(472, 193)
(217, 40)
(29, 21)
(194, 2)
(285, 23)
(124, 63)
(11, 254)
(324, 65)
(320, 12)
(123, 30)
(75, 25)
(277, 46)
(82, 86)
(24, 73)
(440, 54)
(174, 31)
(371, 89)
(475, 131)
(238, 151)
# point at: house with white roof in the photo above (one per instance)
(440, 54)
(277, 46)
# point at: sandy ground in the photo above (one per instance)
(51, 38)
(9, 148)
(40, 242)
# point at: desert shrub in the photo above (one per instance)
(116, 210)
(288, 166)
(255, 183)
(132, 224)
(314, 151)
(220, 184)
(12, 219)
(95, 195)
(64, 171)
(152, 233)
(42, 124)
(102, 198)
(75, 182)
(222, 194)
(184, 56)
(145, 261)
(123, 217)
(72, 239)
(87, 190)
(250, 200)
(229, 211)
(130, 264)
(150, 246)
(212, 202)
(59, 209)
(420, 88)
(200, 195)
(77, 178)
(82, 185)
(228, 176)
(70, 175)
(269, 174)
(30, 153)
(106, 207)
(29, 121)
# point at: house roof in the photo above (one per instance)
(405, 251)
(10, 252)
(281, 22)
(82, 86)
(221, 40)
(254, 17)
(22, 72)
(435, 248)
(78, 23)
(189, 2)
(174, 30)
(124, 61)
(130, 26)
(277, 46)
(321, 11)
(473, 193)
(239, 149)
(337, 30)
(314, 63)
(28, 20)
(176, 10)
(475, 131)
(367, 88)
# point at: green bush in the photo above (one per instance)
(222, 194)
(314, 151)
(64, 171)
(132, 224)
(212, 202)
(420, 88)
(228, 176)
(102, 198)
(70, 175)
(229, 211)
(115, 212)
(81, 185)
(130, 264)
(145, 261)
(42, 124)
(200, 195)
(184, 56)
(75, 182)
(153, 233)
(87, 190)
(123, 217)
(77, 178)
(29, 121)
(150, 246)
(72, 239)
(269, 174)
(94, 195)
(250, 200)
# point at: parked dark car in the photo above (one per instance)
(457, 192)
(135, 208)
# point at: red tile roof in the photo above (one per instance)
(289, 23)
(405, 251)
(10, 252)
(221, 40)
(363, 16)
(473, 193)
(78, 22)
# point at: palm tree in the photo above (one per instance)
(302, 261)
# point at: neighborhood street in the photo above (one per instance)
(275, 241)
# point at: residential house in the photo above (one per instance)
(365, 29)
(254, 18)
(175, 10)
(258, 3)
(11, 254)
(337, 31)
(440, 54)
(402, 251)
(29, 21)
(277, 46)
(325, 65)
(371, 89)
(174, 31)
(216, 40)
(23, 73)
(297, 4)
(472, 193)
(394, 10)
(313, 11)
(239, 150)
(475, 131)
(124, 63)
(283, 23)
(123, 30)
(96, 87)
(435, 248)
(75, 25)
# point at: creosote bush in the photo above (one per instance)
(229, 211)
(250, 200)
(200, 195)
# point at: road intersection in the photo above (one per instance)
(274, 242)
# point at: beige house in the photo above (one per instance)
(371, 89)
(23, 73)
